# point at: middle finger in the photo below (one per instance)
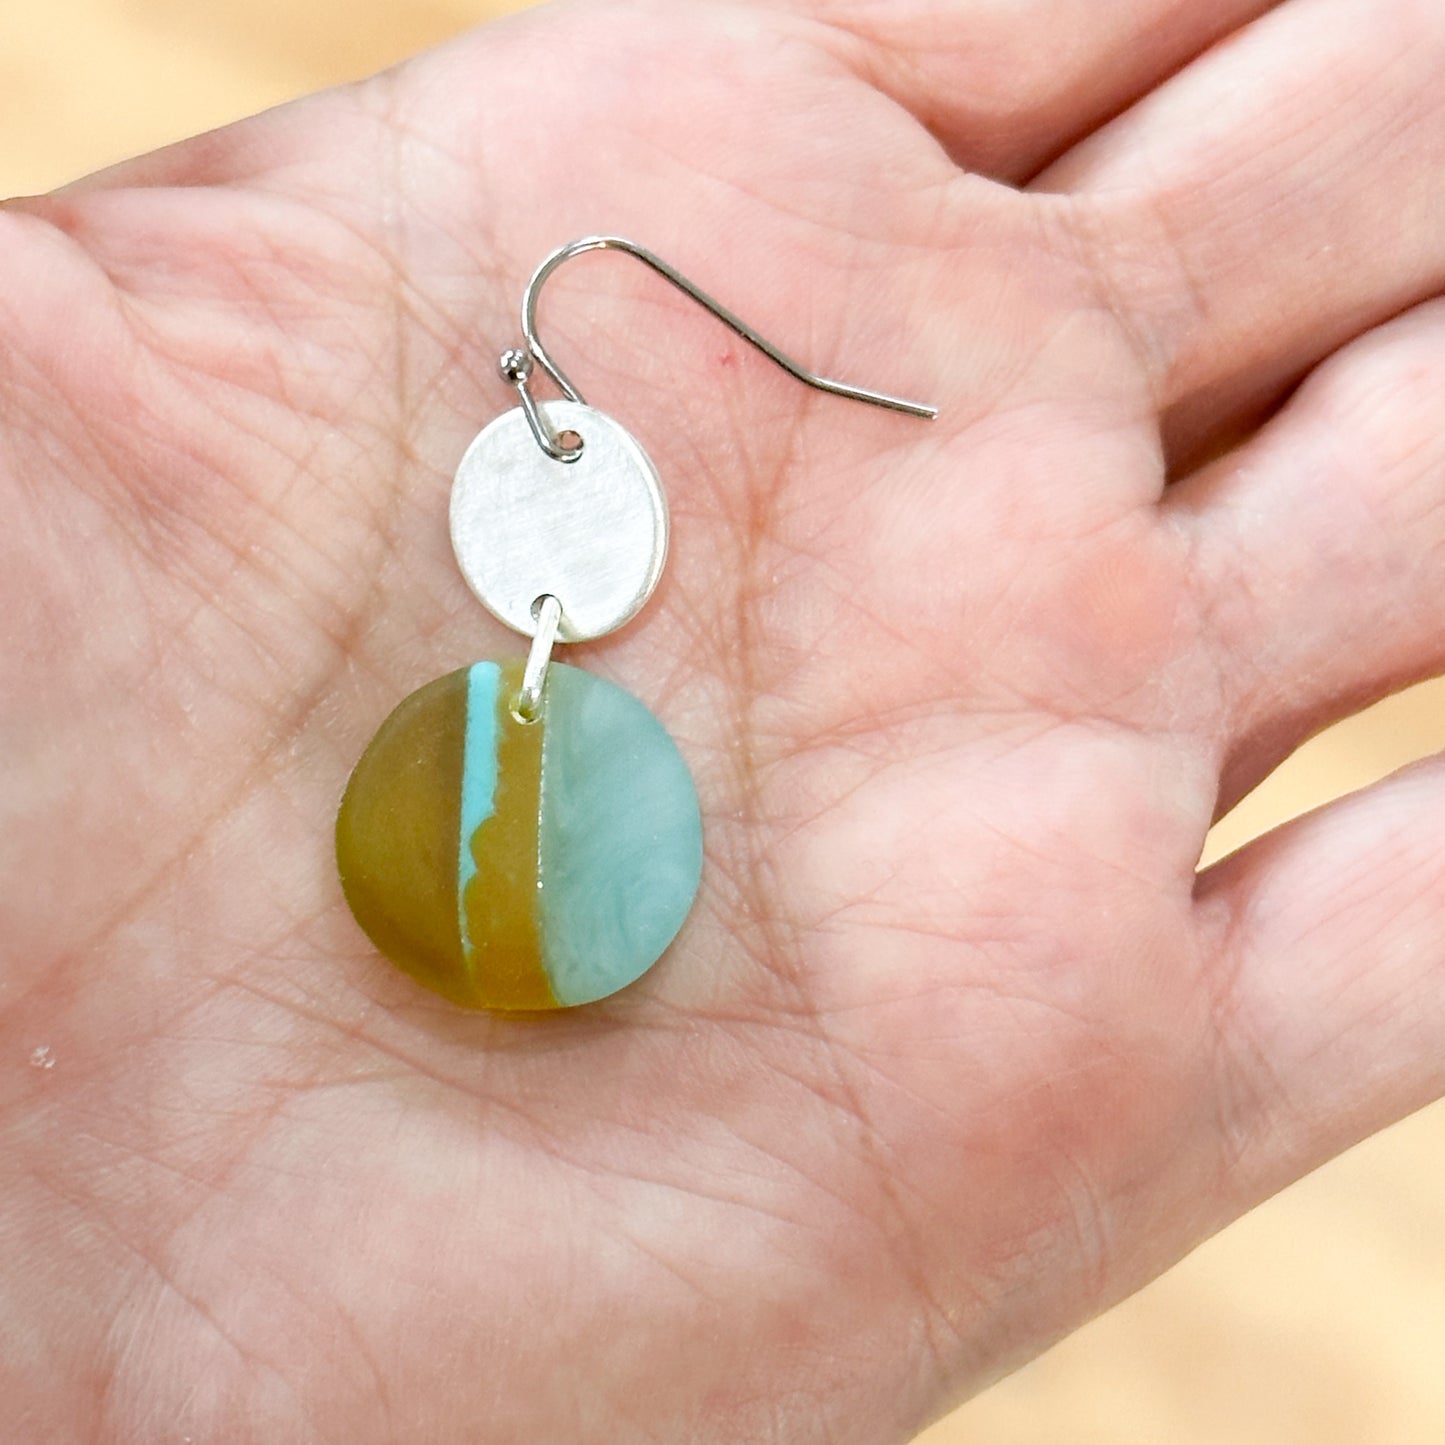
(1280, 196)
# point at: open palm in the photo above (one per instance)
(955, 1049)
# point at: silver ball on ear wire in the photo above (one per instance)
(514, 366)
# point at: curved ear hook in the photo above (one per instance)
(516, 365)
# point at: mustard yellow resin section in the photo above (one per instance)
(398, 831)
(500, 900)
(437, 841)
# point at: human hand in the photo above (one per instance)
(955, 1049)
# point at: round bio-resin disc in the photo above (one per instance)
(514, 865)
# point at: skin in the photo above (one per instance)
(956, 1048)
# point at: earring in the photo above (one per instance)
(524, 835)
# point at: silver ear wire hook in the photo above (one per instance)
(516, 365)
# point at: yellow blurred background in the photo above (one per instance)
(1320, 1319)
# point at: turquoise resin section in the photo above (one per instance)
(479, 773)
(621, 837)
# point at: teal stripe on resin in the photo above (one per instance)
(621, 837)
(479, 773)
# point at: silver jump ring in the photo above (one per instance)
(534, 677)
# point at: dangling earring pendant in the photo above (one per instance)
(524, 835)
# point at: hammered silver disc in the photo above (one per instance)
(591, 533)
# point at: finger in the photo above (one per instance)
(1330, 1007)
(996, 86)
(1277, 198)
(1319, 548)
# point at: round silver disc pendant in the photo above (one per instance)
(592, 533)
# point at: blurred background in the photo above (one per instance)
(1321, 1317)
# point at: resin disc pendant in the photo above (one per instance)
(514, 865)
